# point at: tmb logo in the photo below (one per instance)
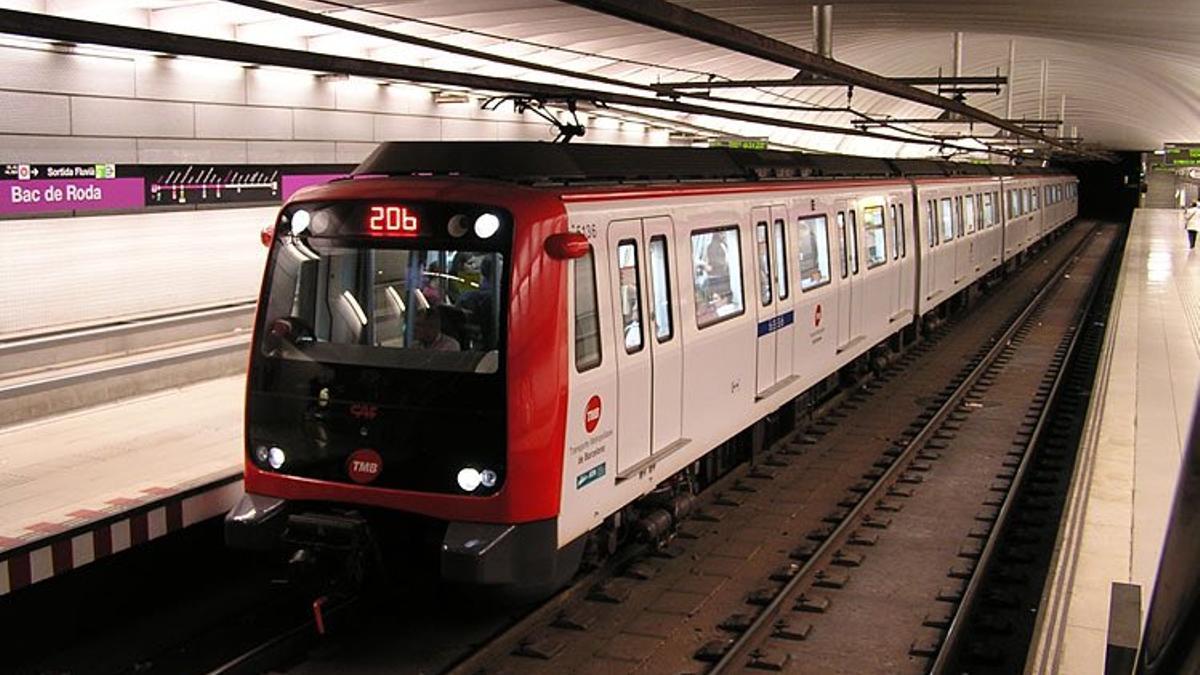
(364, 466)
(591, 414)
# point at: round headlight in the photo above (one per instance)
(486, 225)
(276, 457)
(487, 478)
(260, 454)
(469, 479)
(301, 219)
(457, 226)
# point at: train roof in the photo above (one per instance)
(533, 163)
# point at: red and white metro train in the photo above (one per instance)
(508, 346)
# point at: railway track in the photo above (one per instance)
(934, 563)
(659, 611)
(680, 607)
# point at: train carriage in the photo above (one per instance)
(511, 347)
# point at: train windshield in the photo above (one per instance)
(412, 308)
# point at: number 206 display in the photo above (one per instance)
(392, 221)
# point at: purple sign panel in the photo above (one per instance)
(70, 194)
(293, 182)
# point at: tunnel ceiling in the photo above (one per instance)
(1129, 71)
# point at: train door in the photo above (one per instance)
(775, 319)
(962, 250)
(847, 277)
(786, 333)
(899, 274)
(666, 340)
(634, 367)
(856, 307)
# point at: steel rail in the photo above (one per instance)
(76, 31)
(955, 630)
(738, 650)
(688, 23)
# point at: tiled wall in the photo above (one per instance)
(88, 107)
(91, 106)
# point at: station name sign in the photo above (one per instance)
(52, 188)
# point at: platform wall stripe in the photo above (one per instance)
(61, 555)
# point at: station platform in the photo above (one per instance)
(82, 485)
(1131, 448)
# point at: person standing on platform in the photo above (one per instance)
(1191, 221)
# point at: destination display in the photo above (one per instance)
(1181, 154)
(50, 188)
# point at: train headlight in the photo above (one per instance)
(261, 455)
(276, 457)
(469, 479)
(457, 226)
(486, 225)
(301, 219)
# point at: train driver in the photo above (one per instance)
(427, 331)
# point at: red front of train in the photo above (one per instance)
(409, 375)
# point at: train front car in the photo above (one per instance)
(407, 384)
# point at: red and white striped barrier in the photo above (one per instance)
(52, 548)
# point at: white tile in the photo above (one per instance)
(67, 150)
(131, 118)
(1083, 651)
(353, 153)
(83, 549)
(243, 122)
(22, 113)
(156, 523)
(407, 128)
(185, 151)
(42, 70)
(291, 152)
(188, 79)
(329, 125)
(41, 564)
(293, 88)
(121, 537)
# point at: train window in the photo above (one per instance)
(762, 244)
(629, 290)
(853, 235)
(413, 309)
(845, 246)
(958, 215)
(997, 214)
(1025, 207)
(587, 318)
(717, 270)
(931, 222)
(947, 219)
(969, 213)
(1034, 199)
(781, 266)
(660, 289)
(814, 252)
(895, 234)
(902, 238)
(1014, 204)
(874, 235)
